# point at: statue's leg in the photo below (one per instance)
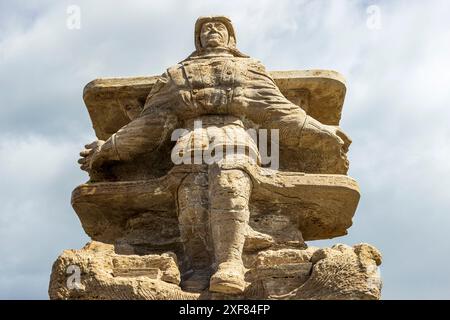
(193, 217)
(229, 192)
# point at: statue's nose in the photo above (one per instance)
(214, 29)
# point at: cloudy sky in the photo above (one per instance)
(394, 55)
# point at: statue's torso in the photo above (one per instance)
(209, 91)
(215, 85)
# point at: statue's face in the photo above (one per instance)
(214, 34)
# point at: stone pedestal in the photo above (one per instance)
(339, 272)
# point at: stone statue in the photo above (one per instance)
(217, 216)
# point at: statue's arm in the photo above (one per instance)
(142, 135)
(265, 105)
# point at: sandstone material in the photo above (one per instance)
(340, 272)
(106, 275)
(207, 181)
(327, 204)
(114, 102)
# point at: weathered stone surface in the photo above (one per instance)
(277, 257)
(319, 206)
(207, 181)
(340, 272)
(114, 102)
(106, 275)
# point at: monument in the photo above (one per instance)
(184, 200)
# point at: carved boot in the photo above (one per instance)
(229, 237)
(228, 279)
(229, 214)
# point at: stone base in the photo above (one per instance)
(339, 272)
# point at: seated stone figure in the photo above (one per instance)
(223, 89)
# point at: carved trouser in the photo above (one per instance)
(213, 215)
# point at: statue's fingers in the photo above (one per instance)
(91, 145)
(86, 152)
(85, 166)
(82, 160)
(341, 142)
(346, 139)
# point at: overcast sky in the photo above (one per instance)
(394, 55)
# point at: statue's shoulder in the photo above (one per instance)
(254, 64)
(250, 60)
(175, 70)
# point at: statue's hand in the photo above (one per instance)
(315, 133)
(340, 135)
(89, 155)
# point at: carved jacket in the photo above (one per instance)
(222, 85)
(204, 86)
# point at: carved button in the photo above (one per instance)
(229, 72)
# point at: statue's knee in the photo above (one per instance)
(232, 180)
(230, 190)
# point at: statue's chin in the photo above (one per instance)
(218, 48)
(213, 43)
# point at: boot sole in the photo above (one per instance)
(226, 287)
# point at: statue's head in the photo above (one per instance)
(215, 32)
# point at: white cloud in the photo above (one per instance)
(36, 220)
